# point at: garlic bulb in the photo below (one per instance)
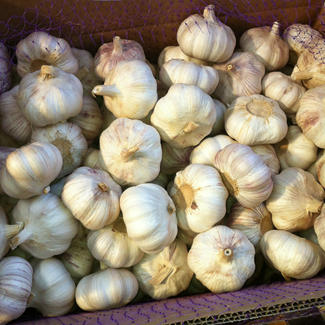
(49, 96)
(53, 289)
(222, 259)
(206, 38)
(92, 197)
(49, 226)
(219, 124)
(318, 168)
(206, 151)
(165, 274)
(5, 69)
(184, 116)
(149, 216)
(319, 227)
(162, 180)
(269, 157)
(15, 287)
(106, 289)
(293, 256)
(296, 200)
(199, 196)
(178, 71)
(267, 44)
(133, 97)
(12, 121)
(112, 246)
(40, 48)
(110, 54)
(256, 119)
(241, 75)
(30, 169)
(131, 151)
(94, 159)
(253, 222)
(244, 174)
(296, 150)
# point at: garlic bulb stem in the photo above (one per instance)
(47, 72)
(128, 154)
(47, 189)
(276, 28)
(163, 275)
(227, 252)
(209, 14)
(21, 237)
(190, 126)
(314, 205)
(106, 90)
(117, 45)
(103, 187)
(12, 230)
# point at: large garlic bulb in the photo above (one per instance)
(165, 274)
(5, 69)
(318, 168)
(269, 157)
(222, 259)
(296, 200)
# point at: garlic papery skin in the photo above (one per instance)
(284, 90)
(13, 122)
(206, 151)
(296, 150)
(30, 169)
(186, 236)
(40, 48)
(131, 151)
(133, 97)
(318, 168)
(267, 44)
(5, 69)
(256, 119)
(222, 259)
(269, 157)
(15, 287)
(92, 197)
(49, 226)
(178, 71)
(94, 159)
(165, 274)
(112, 246)
(199, 196)
(206, 38)
(296, 200)
(245, 175)
(184, 116)
(293, 256)
(149, 216)
(219, 124)
(240, 76)
(53, 289)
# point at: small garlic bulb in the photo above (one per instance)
(53, 289)
(94, 159)
(5, 69)
(165, 274)
(269, 157)
(296, 150)
(293, 256)
(244, 174)
(219, 124)
(106, 289)
(92, 197)
(256, 119)
(15, 287)
(296, 200)
(241, 75)
(318, 168)
(319, 227)
(30, 169)
(199, 196)
(267, 44)
(222, 259)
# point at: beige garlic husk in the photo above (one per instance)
(40, 48)
(162, 180)
(317, 168)
(53, 289)
(241, 75)
(293, 256)
(219, 125)
(199, 196)
(165, 274)
(296, 200)
(222, 259)
(13, 122)
(186, 236)
(93, 159)
(268, 155)
(244, 174)
(15, 287)
(256, 119)
(267, 44)
(296, 150)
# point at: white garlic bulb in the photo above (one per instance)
(268, 155)
(94, 159)
(318, 168)
(222, 259)
(319, 227)
(219, 124)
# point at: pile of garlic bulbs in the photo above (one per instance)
(118, 176)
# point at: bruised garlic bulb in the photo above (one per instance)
(296, 200)
(92, 197)
(131, 151)
(319, 227)
(318, 168)
(219, 124)
(222, 259)
(255, 120)
(5, 69)
(106, 289)
(165, 274)
(199, 196)
(269, 157)
(244, 174)
(94, 159)
(184, 116)
(30, 169)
